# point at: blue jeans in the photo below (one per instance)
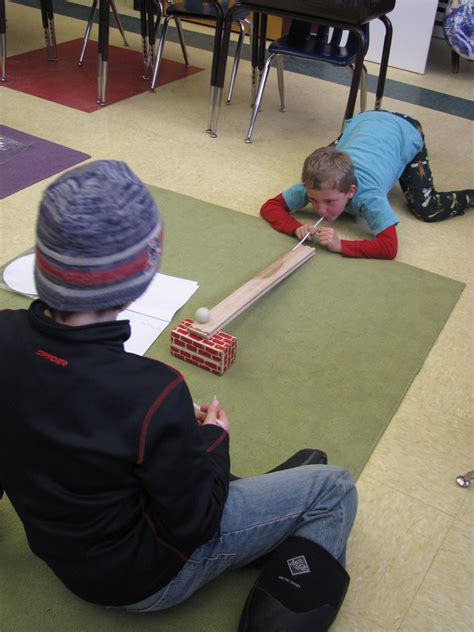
(317, 502)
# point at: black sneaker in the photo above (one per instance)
(307, 456)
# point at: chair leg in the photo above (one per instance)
(179, 28)
(281, 82)
(464, 480)
(153, 29)
(52, 38)
(258, 98)
(383, 61)
(150, 32)
(249, 24)
(118, 21)
(362, 86)
(144, 5)
(235, 65)
(160, 9)
(87, 34)
(47, 16)
(454, 61)
(363, 89)
(90, 22)
(159, 53)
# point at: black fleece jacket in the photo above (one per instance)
(102, 458)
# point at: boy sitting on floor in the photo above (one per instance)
(375, 150)
(122, 489)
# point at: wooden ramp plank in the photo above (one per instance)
(246, 294)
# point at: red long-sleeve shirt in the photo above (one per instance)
(384, 245)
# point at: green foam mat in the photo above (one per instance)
(323, 360)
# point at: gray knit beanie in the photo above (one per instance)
(98, 238)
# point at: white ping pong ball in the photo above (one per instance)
(202, 315)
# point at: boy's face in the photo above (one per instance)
(329, 203)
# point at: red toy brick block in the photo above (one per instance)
(214, 354)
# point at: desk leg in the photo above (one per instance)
(3, 40)
(143, 31)
(148, 32)
(152, 29)
(104, 13)
(219, 59)
(384, 62)
(362, 45)
(47, 17)
(255, 48)
(44, 19)
(52, 31)
(262, 45)
(215, 95)
(215, 103)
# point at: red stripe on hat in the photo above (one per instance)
(100, 277)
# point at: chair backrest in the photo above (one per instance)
(366, 30)
(326, 34)
(299, 31)
(199, 5)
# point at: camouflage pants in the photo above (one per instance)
(418, 188)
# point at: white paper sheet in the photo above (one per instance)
(164, 296)
(145, 330)
(149, 315)
(18, 275)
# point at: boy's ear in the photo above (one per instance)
(352, 191)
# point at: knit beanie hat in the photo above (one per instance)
(98, 238)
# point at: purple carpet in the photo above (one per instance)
(26, 159)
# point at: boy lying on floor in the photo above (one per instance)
(375, 150)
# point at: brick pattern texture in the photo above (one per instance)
(214, 354)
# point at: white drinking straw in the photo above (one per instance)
(306, 236)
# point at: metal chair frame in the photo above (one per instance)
(242, 22)
(277, 52)
(149, 31)
(259, 34)
(90, 22)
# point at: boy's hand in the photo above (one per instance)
(328, 238)
(216, 416)
(301, 231)
(200, 412)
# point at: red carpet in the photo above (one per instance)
(67, 83)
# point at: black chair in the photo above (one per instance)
(201, 10)
(330, 45)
